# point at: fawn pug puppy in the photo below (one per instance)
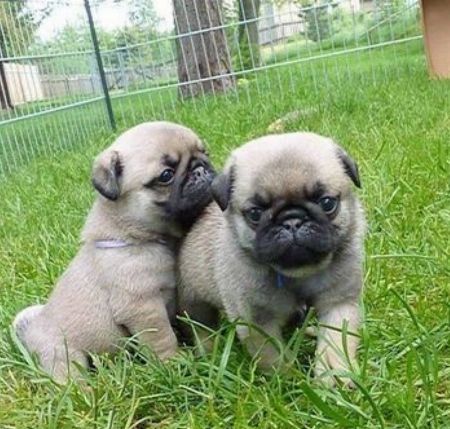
(285, 229)
(153, 181)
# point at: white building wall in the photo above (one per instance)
(23, 82)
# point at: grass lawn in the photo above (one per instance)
(395, 121)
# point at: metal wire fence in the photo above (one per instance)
(66, 74)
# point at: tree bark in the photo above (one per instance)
(5, 99)
(202, 57)
(248, 33)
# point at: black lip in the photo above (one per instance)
(307, 244)
(297, 256)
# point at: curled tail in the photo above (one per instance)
(24, 318)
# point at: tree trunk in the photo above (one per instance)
(5, 99)
(203, 56)
(248, 33)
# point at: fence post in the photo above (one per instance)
(101, 70)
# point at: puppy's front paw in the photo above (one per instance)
(165, 348)
(273, 360)
(204, 342)
(331, 369)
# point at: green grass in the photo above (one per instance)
(395, 121)
(42, 136)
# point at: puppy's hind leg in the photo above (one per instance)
(62, 363)
(23, 320)
(264, 341)
(55, 357)
(199, 313)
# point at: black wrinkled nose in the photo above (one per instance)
(292, 219)
(292, 224)
(201, 173)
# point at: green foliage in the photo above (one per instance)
(319, 17)
(133, 42)
(131, 46)
(72, 38)
(249, 55)
(142, 13)
(230, 17)
(18, 23)
(387, 8)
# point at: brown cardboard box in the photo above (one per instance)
(436, 30)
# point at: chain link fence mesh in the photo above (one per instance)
(51, 93)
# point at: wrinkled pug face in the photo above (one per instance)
(156, 176)
(288, 200)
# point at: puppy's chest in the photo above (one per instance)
(144, 272)
(307, 290)
(268, 293)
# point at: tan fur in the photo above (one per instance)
(216, 271)
(106, 294)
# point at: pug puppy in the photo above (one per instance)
(285, 229)
(152, 182)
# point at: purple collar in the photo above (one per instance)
(118, 244)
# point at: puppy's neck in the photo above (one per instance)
(104, 222)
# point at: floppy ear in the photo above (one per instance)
(106, 174)
(221, 189)
(350, 167)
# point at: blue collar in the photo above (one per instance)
(281, 280)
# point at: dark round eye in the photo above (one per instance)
(254, 214)
(166, 176)
(328, 204)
